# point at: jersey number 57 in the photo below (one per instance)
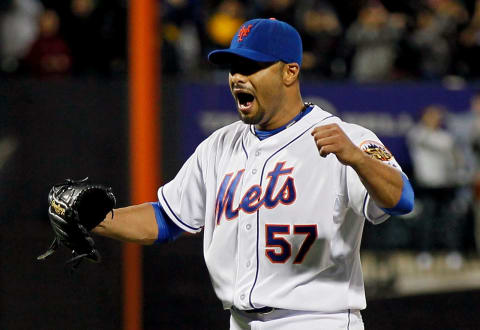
(278, 249)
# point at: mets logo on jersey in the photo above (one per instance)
(256, 196)
(376, 150)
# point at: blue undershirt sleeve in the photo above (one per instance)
(405, 204)
(167, 230)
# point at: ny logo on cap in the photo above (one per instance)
(244, 31)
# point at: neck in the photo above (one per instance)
(262, 135)
(285, 113)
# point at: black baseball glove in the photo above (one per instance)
(75, 208)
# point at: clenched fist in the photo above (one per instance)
(331, 139)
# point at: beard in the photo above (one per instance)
(250, 119)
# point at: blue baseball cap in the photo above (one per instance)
(262, 40)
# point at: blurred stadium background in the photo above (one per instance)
(409, 70)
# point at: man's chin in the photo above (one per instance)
(249, 120)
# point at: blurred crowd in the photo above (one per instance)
(51, 38)
(361, 40)
(445, 153)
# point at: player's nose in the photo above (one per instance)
(237, 78)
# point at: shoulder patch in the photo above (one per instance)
(376, 150)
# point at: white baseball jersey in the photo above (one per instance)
(282, 225)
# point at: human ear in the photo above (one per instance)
(290, 73)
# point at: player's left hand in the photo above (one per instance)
(331, 139)
(75, 208)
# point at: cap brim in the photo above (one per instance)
(227, 56)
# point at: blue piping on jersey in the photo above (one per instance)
(244, 150)
(183, 223)
(364, 210)
(405, 204)
(348, 325)
(167, 230)
(258, 211)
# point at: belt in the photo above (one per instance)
(263, 310)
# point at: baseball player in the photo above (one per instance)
(281, 195)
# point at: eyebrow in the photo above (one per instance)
(249, 66)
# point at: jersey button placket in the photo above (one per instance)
(257, 153)
(247, 242)
(247, 228)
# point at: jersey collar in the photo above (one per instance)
(262, 135)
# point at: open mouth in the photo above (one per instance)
(244, 100)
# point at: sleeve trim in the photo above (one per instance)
(174, 217)
(168, 231)
(405, 204)
(375, 220)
